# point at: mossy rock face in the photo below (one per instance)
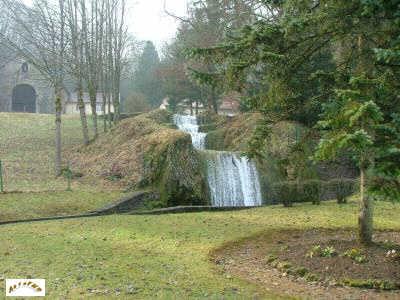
(146, 152)
(176, 170)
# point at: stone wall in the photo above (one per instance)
(13, 74)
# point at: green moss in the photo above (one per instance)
(301, 271)
(176, 170)
(371, 284)
(312, 277)
(215, 140)
(271, 258)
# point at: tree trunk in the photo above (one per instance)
(104, 98)
(93, 104)
(109, 110)
(58, 107)
(82, 112)
(214, 100)
(365, 219)
(115, 99)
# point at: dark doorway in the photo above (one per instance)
(24, 98)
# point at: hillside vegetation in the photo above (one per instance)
(145, 152)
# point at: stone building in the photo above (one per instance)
(23, 89)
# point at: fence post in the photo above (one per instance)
(1, 178)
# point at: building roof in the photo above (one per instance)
(229, 104)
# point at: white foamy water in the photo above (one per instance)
(189, 124)
(232, 179)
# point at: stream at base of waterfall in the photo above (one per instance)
(232, 179)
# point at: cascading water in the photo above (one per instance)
(189, 124)
(232, 179)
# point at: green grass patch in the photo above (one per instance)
(18, 206)
(27, 150)
(164, 256)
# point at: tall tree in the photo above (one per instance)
(146, 79)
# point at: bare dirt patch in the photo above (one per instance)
(280, 261)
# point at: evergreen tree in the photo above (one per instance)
(146, 79)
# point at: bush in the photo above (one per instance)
(288, 192)
(285, 192)
(342, 188)
(312, 191)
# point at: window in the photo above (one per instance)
(24, 67)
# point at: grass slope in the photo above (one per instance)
(148, 257)
(27, 150)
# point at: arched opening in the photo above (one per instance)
(24, 98)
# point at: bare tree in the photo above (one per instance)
(76, 61)
(38, 36)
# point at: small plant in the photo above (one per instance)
(328, 252)
(284, 266)
(371, 284)
(271, 258)
(312, 277)
(321, 252)
(301, 271)
(356, 255)
(315, 251)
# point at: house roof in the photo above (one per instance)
(229, 104)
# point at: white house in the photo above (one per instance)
(71, 104)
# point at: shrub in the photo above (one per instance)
(285, 192)
(312, 191)
(342, 188)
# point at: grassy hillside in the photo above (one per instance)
(27, 154)
(148, 257)
(27, 150)
(145, 151)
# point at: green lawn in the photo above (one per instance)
(27, 150)
(148, 257)
(18, 206)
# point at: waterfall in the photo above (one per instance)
(189, 124)
(232, 179)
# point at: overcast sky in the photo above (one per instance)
(148, 21)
